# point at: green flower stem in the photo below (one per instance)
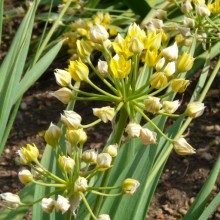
(140, 95)
(39, 200)
(49, 184)
(105, 194)
(91, 124)
(106, 53)
(166, 94)
(87, 205)
(141, 77)
(104, 10)
(159, 90)
(49, 174)
(115, 98)
(152, 123)
(135, 70)
(117, 134)
(104, 98)
(171, 115)
(104, 188)
(102, 78)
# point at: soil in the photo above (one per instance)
(182, 178)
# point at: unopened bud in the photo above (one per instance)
(184, 62)
(202, 10)
(52, 135)
(160, 64)
(170, 53)
(89, 156)
(47, 205)
(136, 45)
(182, 147)
(112, 150)
(103, 68)
(195, 109)
(65, 95)
(81, 184)
(25, 176)
(130, 186)
(105, 113)
(66, 163)
(75, 136)
(63, 77)
(170, 107)
(147, 136)
(151, 58)
(10, 200)
(98, 34)
(84, 48)
(188, 22)
(170, 69)
(62, 204)
(186, 7)
(104, 160)
(103, 217)
(71, 119)
(152, 104)
(133, 129)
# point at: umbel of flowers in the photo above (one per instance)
(142, 74)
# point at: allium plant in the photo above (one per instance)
(142, 73)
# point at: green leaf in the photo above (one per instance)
(140, 7)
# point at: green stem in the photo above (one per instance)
(87, 205)
(48, 184)
(152, 123)
(105, 194)
(135, 70)
(104, 188)
(91, 124)
(171, 115)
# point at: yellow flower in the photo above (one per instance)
(75, 136)
(151, 57)
(214, 7)
(63, 78)
(184, 62)
(120, 46)
(78, 70)
(120, 67)
(179, 85)
(134, 30)
(153, 40)
(84, 48)
(66, 163)
(30, 153)
(158, 80)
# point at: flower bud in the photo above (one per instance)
(158, 80)
(133, 129)
(170, 53)
(10, 200)
(105, 113)
(188, 22)
(171, 107)
(81, 184)
(62, 204)
(161, 14)
(66, 163)
(37, 173)
(103, 68)
(84, 48)
(147, 136)
(202, 10)
(52, 135)
(71, 119)
(136, 45)
(184, 62)
(170, 69)
(64, 95)
(89, 156)
(112, 150)
(78, 70)
(152, 104)
(160, 64)
(103, 217)
(179, 85)
(195, 109)
(182, 147)
(130, 186)
(47, 205)
(104, 160)
(186, 7)
(30, 153)
(119, 66)
(25, 176)
(75, 136)
(63, 77)
(151, 57)
(98, 34)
